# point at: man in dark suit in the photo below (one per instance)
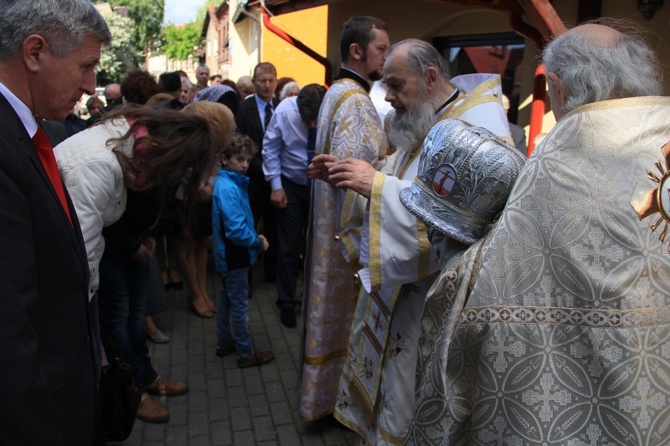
(48, 53)
(253, 117)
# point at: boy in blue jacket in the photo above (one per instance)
(236, 246)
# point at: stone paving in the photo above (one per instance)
(227, 405)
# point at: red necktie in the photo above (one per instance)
(46, 153)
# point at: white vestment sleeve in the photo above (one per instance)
(398, 250)
(360, 135)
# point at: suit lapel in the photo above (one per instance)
(258, 126)
(24, 140)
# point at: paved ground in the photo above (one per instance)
(226, 405)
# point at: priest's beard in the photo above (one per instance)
(408, 130)
(375, 75)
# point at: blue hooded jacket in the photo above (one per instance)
(236, 243)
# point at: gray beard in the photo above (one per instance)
(408, 130)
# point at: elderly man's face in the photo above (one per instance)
(202, 75)
(60, 81)
(112, 93)
(407, 92)
(405, 88)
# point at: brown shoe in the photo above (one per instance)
(256, 358)
(224, 350)
(152, 412)
(164, 386)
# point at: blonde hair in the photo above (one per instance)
(220, 119)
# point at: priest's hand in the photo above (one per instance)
(318, 169)
(354, 174)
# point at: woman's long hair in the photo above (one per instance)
(172, 149)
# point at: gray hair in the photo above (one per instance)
(63, 23)
(286, 89)
(626, 67)
(187, 81)
(421, 55)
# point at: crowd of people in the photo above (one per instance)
(454, 292)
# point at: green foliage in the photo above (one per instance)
(181, 42)
(122, 55)
(147, 16)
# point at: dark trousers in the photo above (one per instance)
(124, 286)
(263, 212)
(94, 317)
(291, 222)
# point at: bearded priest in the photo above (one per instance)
(376, 392)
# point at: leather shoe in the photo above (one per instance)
(287, 317)
(256, 358)
(164, 386)
(226, 349)
(152, 412)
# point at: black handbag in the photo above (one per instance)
(119, 399)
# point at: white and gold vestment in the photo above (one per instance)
(376, 394)
(555, 328)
